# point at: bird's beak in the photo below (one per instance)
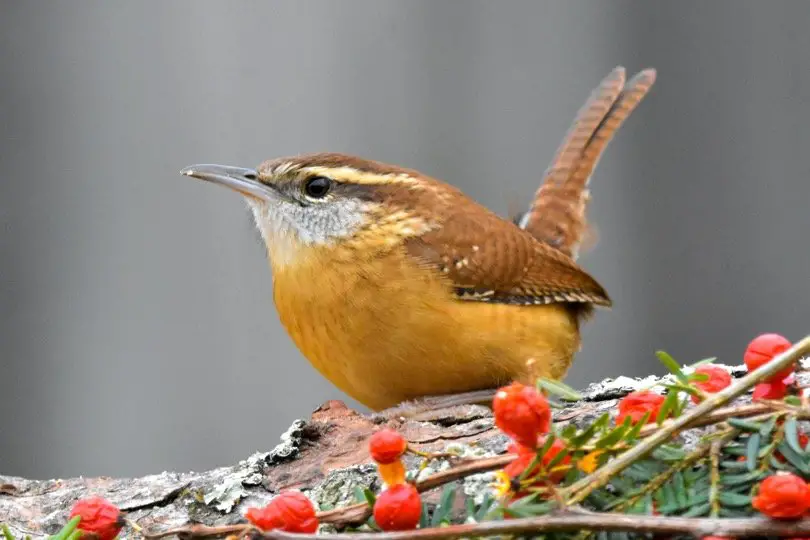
(245, 181)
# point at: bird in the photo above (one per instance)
(400, 289)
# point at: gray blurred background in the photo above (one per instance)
(137, 328)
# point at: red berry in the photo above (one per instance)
(718, 379)
(783, 496)
(763, 349)
(525, 456)
(770, 390)
(386, 446)
(289, 511)
(99, 517)
(636, 404)
(398, 508)
(522, 413)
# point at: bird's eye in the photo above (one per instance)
(317, 187)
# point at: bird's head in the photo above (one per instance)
(312, 202)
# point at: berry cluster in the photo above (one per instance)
(524, 414)
(399, 506)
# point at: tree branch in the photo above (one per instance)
(570, 521)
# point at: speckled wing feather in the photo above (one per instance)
(491, 260)
(558, 213)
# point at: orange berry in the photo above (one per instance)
(783, 496)
(522, 413)
(590, 461)
(398, 508)
(392, 473)
(718, 379)
(290, 511)
(386, 446)
(99, 517)
(636, 404)
(762, 350)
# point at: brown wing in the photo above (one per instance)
(558, 213)
(492, 260)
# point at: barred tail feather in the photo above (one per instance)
(557, 215)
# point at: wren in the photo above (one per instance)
(397, 286)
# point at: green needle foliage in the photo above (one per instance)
(715, 475)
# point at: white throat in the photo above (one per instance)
(288, 227)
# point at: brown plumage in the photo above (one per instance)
(558, 213)
(488, 259)
(396, 286)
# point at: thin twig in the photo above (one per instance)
(564, 521)
(787, 407)
(576, 521)
(714, 478)
(203, 531)
(434, 455)
(582, 488)
(724, 413)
